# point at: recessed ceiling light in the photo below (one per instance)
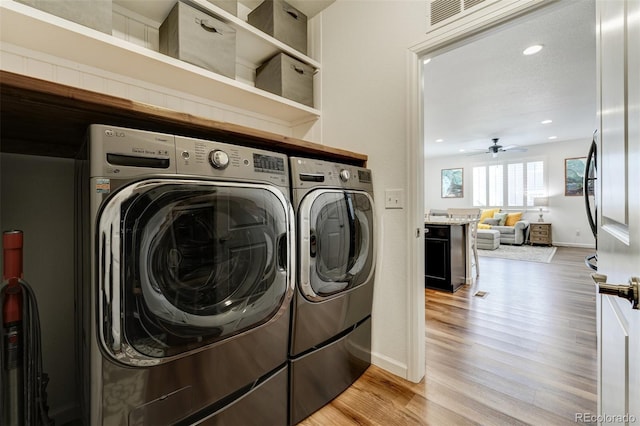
(461, 149)
(426, 61)
(532, 50)
(553, 137)
(546, 122)
(439, 140)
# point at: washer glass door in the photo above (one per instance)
(190, 263)
(337, 249)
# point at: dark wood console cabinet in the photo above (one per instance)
(444, 256)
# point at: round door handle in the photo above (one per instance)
(630, 291)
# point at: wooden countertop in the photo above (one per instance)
(40, 117)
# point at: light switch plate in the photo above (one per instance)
(394, 199)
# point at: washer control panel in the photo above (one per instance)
(118, 152)
(216, 159)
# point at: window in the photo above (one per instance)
(479, 186)
(516, 183)
(535, 181)
(496, 184)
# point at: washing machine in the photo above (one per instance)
(184, 280)
(331, 322)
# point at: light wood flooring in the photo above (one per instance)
(523, 354)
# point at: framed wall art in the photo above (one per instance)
(452, 183)
(574, 176)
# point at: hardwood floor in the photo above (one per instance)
(523, 354)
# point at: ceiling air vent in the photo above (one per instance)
(471, 3)
(444, 9)
(443, 12)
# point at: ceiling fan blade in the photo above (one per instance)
(514, 148)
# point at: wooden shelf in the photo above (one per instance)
(39, 31)
(44, 118)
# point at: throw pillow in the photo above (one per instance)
(487, 214)
(484, 226)
(492, 221)
(502, 217)
(512, 218)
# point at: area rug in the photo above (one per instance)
(524, 252)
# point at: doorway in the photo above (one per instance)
(440, 45)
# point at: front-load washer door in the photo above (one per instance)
(336, 242)
(186, 264)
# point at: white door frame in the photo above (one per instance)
(461, 32)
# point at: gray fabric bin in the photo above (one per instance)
(200, 39)
(287, 77)
(281, 21)
(96, 14)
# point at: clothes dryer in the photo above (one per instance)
(331, 323)
(184, 281)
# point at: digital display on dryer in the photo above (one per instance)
(364, 176)
(268, 164)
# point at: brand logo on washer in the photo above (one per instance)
(115, 133)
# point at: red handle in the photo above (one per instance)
(12, 246)
(12, 306)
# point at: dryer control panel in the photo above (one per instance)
(309, 173)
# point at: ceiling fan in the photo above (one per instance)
(495, 148)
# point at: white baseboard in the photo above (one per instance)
(576, 245)
(391, 365)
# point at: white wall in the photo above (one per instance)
(364, 78)
(567, 214)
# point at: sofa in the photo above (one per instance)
(513, 229)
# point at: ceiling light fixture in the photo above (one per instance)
(439, 140)
(532, 50)
(546, 122)
(553, 137)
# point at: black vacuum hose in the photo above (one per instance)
(35, 408)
